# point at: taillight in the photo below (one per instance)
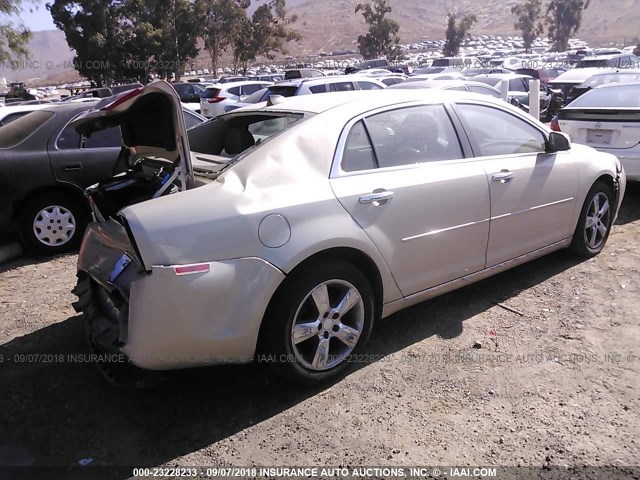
(555, 126)
(216, 99)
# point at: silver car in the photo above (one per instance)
(336, 210)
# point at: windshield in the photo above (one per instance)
(488, 80)
(17, 131)
(620, 96)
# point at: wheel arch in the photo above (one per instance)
(62, 188)
(351, 255)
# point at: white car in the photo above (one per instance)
(217, 97)
(607, 118)
(336, 210)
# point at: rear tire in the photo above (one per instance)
(594, 224)
(53, 223)
(318, 322)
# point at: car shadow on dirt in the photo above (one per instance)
(630, 209)
(56, 409)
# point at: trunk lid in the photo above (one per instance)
(602, 127)
(152, 125)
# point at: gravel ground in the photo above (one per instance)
(550, 380)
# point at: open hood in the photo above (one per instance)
(152, 125)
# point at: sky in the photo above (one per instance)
(39, 19)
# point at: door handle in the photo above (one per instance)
(72, 166)
(503, 176)
(378, 197)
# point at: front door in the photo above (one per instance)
(532, 192)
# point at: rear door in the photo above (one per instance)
(83, 160)
(532, 192)
(402, 175)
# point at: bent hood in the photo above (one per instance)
(152, 125)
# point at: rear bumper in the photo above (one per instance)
(177, 321)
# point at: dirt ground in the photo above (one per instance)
(458, 380)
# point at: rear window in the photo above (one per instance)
(369, 86)
(211, 93)
(285, 91)
(612, 97)
(12, 117)
(16, 132)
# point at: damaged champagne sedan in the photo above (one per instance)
(283, 232)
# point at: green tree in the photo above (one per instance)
(457, 31)
(13, 35)
(529, 21)
(564, 18)
(222, 21)
(266, 33)
(181, 26)
(93, 28)
(382, 38)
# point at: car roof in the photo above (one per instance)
(439, 84)
(624, 71)
(579, 75)
(635, 83)
(9, 109)
(364, 100)
(609, 56)
(503, 75)
(238, 84)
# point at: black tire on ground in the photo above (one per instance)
(594, 224)
(58, 205)
(294, 302)
(104, 314)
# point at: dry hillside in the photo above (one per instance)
(329, 25)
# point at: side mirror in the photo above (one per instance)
(558, 142)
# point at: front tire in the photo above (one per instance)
(596, 219)
(318, 322)
(53, 223)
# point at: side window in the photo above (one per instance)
(11, 117)
(499, 133)
(342, 87)
(457, 88)
(517, 85)
(249, 89)
(68, 139)
(318, 88)
(190, 120)
(358, 152)
(369, 86)
(391, 81)
(234, 91)
(412, 135)
(109, 137)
